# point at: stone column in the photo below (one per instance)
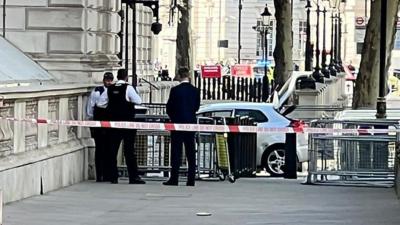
(19, 131)
(63, 115)
(309, 97)
(43, 112)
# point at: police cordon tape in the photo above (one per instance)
(200, 127)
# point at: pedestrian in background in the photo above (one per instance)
(122, 99)
(96, 110)
(165, 74)
(182, 105)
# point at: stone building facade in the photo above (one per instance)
(218, 20)
(77, 40)
(70, 43)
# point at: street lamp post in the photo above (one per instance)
(308, 61)
(381, 101)
(317, 72)
(336, 43)
(339, 59)
(240, 30)
(4, 18)
(155, 28)
(332, 66)
(121, 35)
(126, 38)
(309, 82)
(325, 69)
(265, 83)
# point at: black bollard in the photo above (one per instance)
(290, 157)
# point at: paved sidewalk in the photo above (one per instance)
(248, 201)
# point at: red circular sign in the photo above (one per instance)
(360, 21)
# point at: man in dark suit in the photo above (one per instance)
(182, 105)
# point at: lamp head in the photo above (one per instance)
(334, 3)
(156, 27)
(266, 11)
(308, 4)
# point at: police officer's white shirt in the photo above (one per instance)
(131, 94)
(96, 99)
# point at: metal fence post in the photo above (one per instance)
(311, 159)
(290, 156)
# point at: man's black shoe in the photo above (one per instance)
(170, 183)
(189, 183)
(137, 180)
(114, 181)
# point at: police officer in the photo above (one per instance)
(96, 110)
(122, 99)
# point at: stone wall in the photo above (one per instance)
(36, 159)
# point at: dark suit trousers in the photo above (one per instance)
(100, 137)
(177, 141)
(128, 136)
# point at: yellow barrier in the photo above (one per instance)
(222, 151)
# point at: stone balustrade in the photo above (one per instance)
(330, 93)
(36, 159)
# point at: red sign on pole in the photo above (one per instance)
(361, 22)
(242, 70)
(211, 71)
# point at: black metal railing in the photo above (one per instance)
(151, 88)
(233, 88)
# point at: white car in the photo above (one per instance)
(270, 147)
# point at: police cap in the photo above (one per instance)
(108, 76)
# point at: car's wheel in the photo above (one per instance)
(274, 161)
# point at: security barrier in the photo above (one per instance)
(153, 149)
(242, 148)
(363, 159)
(397, 165)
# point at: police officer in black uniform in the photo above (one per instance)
(122, 99)
(96, 110)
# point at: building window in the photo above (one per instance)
(259, 45)
(260, 39)
(302, 31)
(397, 40)
(270, 39)
(359, 47)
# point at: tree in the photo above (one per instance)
(183, 38)
(283, 47)
(366, 89)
